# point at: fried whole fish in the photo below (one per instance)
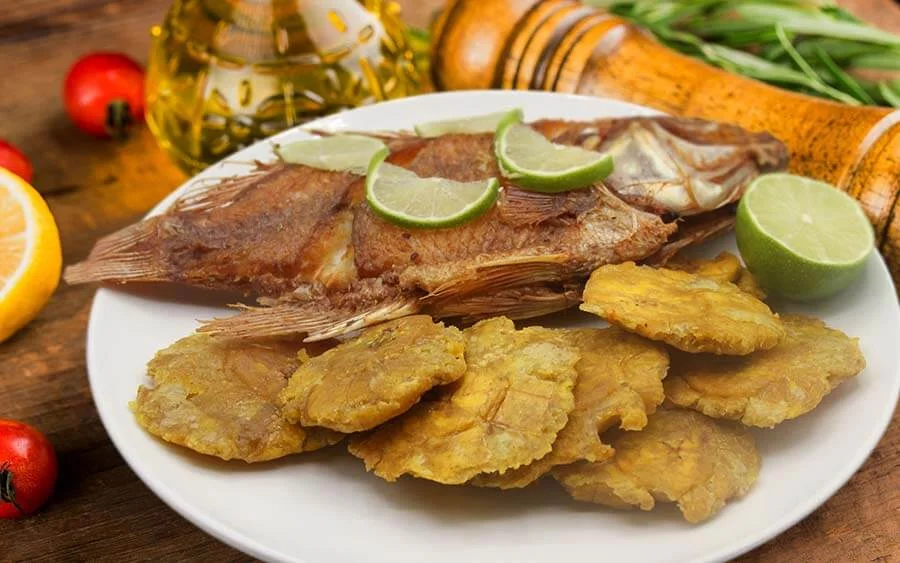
(322, 263)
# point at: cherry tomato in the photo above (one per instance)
(104, 94)
(27, 469)
(13, 160)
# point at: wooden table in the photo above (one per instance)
(101, 511)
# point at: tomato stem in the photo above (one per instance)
(118, 118)
(7, 490)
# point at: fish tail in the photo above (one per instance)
(314, 320)
(124, 256)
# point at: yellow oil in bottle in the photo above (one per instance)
(225, 73)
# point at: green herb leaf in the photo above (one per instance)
(843, 78)
(890, 91)
(810, 22)
(810, 46)
(816, 82)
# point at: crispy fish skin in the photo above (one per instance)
(772, 386)
(505, 411)
(217, 398)
(322, 264)
(370, 379)
(619, 381)
(681, 456)
(686, 311)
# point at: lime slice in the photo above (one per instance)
(478, 124)
(531, 161)
(339, 153)
(801, 238)
(402, 197)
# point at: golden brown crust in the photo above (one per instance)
(681, 456)
(726, 267)
(217, 397)
(687, 311)
(619, 381)
(505, 411)
(370, 379)
(766, 388)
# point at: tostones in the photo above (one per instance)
(748, 284)
(504, 413)
(684, 310)
(217, 397)
(370, 379)
(619, 381)
(768, 387)
(681, 456)
(726, 267)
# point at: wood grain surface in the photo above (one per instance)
(101, 511)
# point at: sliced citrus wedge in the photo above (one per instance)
(402, 197)
(478, 124)
(339, 153)
(801, 238)
(531, 161)
(30, 255)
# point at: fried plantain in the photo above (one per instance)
(619, 380)
(726, 267)
(684, 310)
(217, 397)
(505, 411)
(768, 387)
(370, 379)
(681, 456)
(748, 284)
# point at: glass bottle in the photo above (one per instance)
(225, 73)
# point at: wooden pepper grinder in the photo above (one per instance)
(565, 46)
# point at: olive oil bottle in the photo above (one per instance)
(225, 73)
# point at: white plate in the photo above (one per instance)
(324, 508)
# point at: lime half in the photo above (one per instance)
(402, 197)
(339, 153)
(531, 161)
(801, 238)
(478, 124)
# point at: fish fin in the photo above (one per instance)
(384, 312)
(501, 274)
(217, 192)
(396, 141)
(525, 208)
(521, 303)
(123, 256)
(691, 231)
(312, 319)
(380, 135)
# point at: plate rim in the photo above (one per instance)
(248, 545)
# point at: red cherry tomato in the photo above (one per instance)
(13, 160)
(104, 94)
(27, 469)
